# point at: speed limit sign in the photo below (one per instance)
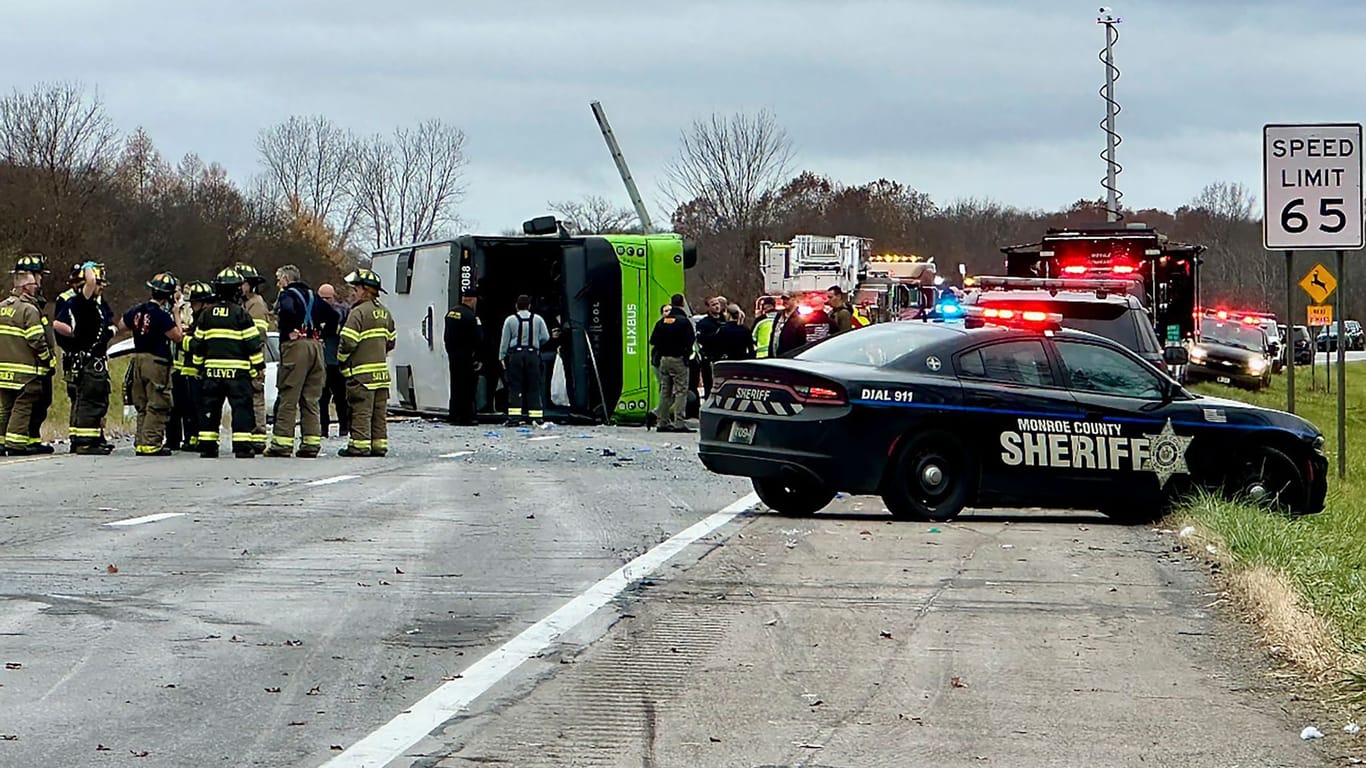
(1312, 187)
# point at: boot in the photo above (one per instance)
(350, 454)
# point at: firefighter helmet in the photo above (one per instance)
(228, 277)
(249, 274)
(31, 262)
(367, 278)
(199, 291)
(163, 282)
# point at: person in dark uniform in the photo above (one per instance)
(672, 341)
(733, 341)
(524, 333)
(334, 386)
(227, 349)
(156, 334)
(91, 324)
(464, 342)
(185, 379)
(549, 351)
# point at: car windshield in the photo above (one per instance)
(1249, 337)
(1301, 333)
(875, 345)
(1108, 319)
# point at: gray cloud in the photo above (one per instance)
(952, 97)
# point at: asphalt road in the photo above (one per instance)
(287, 606)
(303, 613)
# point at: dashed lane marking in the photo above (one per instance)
(331, 480)
(457, 454)
(542, 437)
(144, 519)
(394, 738)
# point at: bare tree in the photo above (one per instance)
(406, 188)
(140, 172)
(733, 165)
(67, 139)
(596, 215)
(308, 164)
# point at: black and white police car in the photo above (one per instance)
(936, 418)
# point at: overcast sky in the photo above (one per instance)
(953, 97)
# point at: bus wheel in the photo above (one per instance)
(931, 478)
(794, 499)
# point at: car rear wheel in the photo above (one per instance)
(1271, 479)
(794, 499)
(931, 479)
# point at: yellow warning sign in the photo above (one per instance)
(1320, 314)
(1319, 283)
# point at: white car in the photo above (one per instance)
(125, 347)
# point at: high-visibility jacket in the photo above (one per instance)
(226, 343)
(763, 335)
(183, 357)
(366, 341)
(856, 318)
(24, 352)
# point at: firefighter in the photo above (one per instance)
(25, 358)
(36, 264)
(90, 321)
(227, 352)
(185, 378)
(303, 321)
(524, 333)
(463, 339)
(366, 342)
(763, 326)
(260, 316)
(155, 335)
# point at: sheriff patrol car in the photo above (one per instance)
(936, 418)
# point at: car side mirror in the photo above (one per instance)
(1175, 356)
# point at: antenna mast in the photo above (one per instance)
(625, 172)
(1110, 21)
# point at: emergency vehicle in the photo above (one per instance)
(607, 291)
(1166, 275)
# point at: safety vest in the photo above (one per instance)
(857, 320)
(763, 336)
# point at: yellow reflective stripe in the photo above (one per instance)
(19, 368)
(224, 333)
(242, 437)
(237, 365)
(285, 442)
(10, 330)
(376, 385)
(259, 358)
(146, 448)
(34, 331)
(350, 333)
(373, 333)
(208, 437)
(84, 431)
(380, 445)
(261, 325)
(357, 370)
(10, 437)
(311, 440)
(362, 444)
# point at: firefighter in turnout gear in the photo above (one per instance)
(260, 317)
(91, 324)
(36, 264)
(156, 334)
(185, 378)
(524, 333)
(303, 321)
(25, 357)
(227, 351)
(366, 341)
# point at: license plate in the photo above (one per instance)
(742, 432)
(1224, 380)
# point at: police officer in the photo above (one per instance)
(227, 351)
(155, 335)
(260, 316)
(673, 338)
(524, 333)
(90, 320)
(36, 264)
(463, 339)
(185, 398)
(366, 341)
(25, 357)
(303, 320)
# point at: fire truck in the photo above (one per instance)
(899, 287)
(809, 265)
(1163, 275)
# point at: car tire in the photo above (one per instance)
(1268, 477)
(794, 500)
(931, 478)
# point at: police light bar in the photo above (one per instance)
(1016, 318)
(1055, 284)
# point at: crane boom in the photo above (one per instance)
(625, 172)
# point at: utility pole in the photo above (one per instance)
(620, 159)
(1112, 138)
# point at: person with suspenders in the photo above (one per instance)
(303, 322)
(524, 333)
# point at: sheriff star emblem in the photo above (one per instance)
(1167, 454)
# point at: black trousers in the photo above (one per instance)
(238, 394)
(524, 384)
(464, 381)
(334, 391)
(91, 402)
(184, 424)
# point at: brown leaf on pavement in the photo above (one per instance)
(957, 682)
(112, 568)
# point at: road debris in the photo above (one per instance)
(957, 682)
(1351, 728)
(13, 665)
(111, 568)
(1187, 532)
(1311, 733)
(885, 635)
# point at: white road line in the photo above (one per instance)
(457, 454)
(542, 437)
(395, 737)
(331, 480)
(143, 519)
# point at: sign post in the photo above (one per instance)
(1312, 193)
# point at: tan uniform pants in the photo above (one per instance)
(258, 404)
(151, 387)
(369, 430)
(16, 412)
(673, 392)
(300, 381)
